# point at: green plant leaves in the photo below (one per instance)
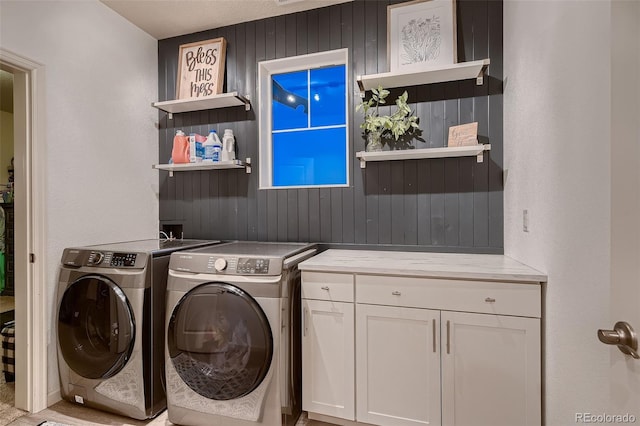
(402, 120)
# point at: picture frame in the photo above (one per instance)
(201, 68)
(421, 34)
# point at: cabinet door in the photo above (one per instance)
(397, 365)
(328, 375)
(490, 370)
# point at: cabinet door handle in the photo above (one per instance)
(304, 322)
(434, 335)
(396, 293)
(326, 287)
(448, 337)
(490, 300)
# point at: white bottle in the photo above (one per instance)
(228, 146)
(212, 147)
(193, 149)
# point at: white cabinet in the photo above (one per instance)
(397, 365)
(483, 370)
(490, 370)
(328, 346)
(447, 348)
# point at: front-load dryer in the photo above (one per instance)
(110, 325)
(233, 353)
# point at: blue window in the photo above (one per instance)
(303, 135)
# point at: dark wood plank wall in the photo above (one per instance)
(451, 204)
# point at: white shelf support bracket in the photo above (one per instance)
(170, 116)
(480, 77)
(248, 165)
(170, 173)
(363, 163)
(480, 157)
(247, 104)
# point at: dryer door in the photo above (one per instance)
(220, 341)
(96, 327)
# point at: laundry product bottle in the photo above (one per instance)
(180, 150)
(212, 147)
(195, 148)
(228, 146)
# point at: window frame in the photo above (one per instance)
(265, 118)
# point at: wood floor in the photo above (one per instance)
(66, 413)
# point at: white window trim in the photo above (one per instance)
(278, 66)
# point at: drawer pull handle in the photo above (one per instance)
(305, 323)
(434, 336)
(325, 288)
(490, 300)
(396, 293)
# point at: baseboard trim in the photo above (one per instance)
(334, 420)
(53, 397)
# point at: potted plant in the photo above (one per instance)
(376, 126)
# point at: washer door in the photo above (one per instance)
(96, 329)
(220, 341)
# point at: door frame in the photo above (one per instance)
(30, 233)
(624, 371)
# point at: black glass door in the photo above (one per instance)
(220, 341)
(96, 327)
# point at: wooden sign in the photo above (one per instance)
(463, 135)
(201, 68)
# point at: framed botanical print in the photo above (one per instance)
(421, 34)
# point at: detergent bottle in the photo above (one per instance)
(228, 146)
(180, 151)
(212, 147)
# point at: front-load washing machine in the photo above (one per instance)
(233, 354)
(110, 324)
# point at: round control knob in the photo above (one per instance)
(220, 264)
(97, 258)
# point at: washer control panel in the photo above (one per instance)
(102, 259)
(116, 260)
(123, 259)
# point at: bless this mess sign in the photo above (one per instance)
(201, 68)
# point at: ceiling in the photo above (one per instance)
(170, 18)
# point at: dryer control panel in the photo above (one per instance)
(227, 265)
(252, 266)
(103, 259)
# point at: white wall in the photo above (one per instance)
(557, 123)
(101, 77)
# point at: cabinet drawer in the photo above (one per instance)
(489, 297)
(327, 286)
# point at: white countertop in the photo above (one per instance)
(423, 264)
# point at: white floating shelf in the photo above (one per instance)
(453, 72)
(410, 154)
(205, 165)
(222, 100)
